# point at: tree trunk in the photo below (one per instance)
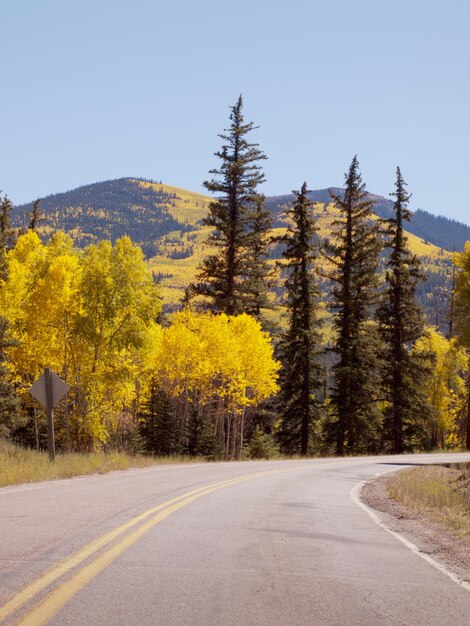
(242, 424)
(36, 429)
(467, 438)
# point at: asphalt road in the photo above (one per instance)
(265, 543)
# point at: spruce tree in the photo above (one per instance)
(7, 233)
(401, 323)
(201, 439)
(451, 302)
(354, 256)
(160, 427)
(299, 349)
(261, 445)
(35, 216)
(223, 276)
(10, 410)
(258, 277)
(10, 415)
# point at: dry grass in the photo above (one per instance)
(439, 493)
(22, 465)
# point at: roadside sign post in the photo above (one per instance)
(49, 414)
(49, 389)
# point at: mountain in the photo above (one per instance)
(442, 231)
(127, 206)
(166, 222)
(146, 211)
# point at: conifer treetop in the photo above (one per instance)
(239, 158)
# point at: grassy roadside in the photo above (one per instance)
(20, 465)
(435, 492)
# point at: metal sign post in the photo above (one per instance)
(49, 389)
(49, 414)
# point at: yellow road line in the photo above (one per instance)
(30, 591)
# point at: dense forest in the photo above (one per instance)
(306, 327)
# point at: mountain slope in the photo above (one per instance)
(126, 206)
(437, 229)
(166, 222)
(180, 253)
(147, 210)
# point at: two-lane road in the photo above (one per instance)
(265, 543)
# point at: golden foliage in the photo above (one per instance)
(446, 388)
(89, 316)
(217, 356)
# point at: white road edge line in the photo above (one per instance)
(356, 498)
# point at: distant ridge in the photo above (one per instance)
(111, 209)
(441, 231)
(147, 210)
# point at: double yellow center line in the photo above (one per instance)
(45, 610)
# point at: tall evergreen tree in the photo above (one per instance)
(301, 374)
(401, 323)
(354, 256)
(35, 216)
(10, 411)
(7, 233)
(160, 427)
(201, 439)
(258, 277)
(451, 302)
(222, 277)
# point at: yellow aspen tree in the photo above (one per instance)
(445, 385)
(217, 365)
(38, 297)
(119, 306)
(462, 318)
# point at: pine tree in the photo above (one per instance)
(222, 277)
(401, 323)
(301, 374)
(451, 301)
(261, 445)
(10, 413)
(160, 427)
(258, 274)
(354, 257)
(35, 216)
(201, 438)
(7, 233)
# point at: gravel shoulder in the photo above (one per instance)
(450, 548)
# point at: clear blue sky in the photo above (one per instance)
(101, 89)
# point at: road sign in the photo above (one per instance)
(49, 389)
(59, 389)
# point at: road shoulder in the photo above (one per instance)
(450, 548)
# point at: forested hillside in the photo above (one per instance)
(147, 210)
(111, 209)
(166, 222)
(437, 229)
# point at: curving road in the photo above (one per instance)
(260, 543)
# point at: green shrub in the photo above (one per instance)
(261, 445)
